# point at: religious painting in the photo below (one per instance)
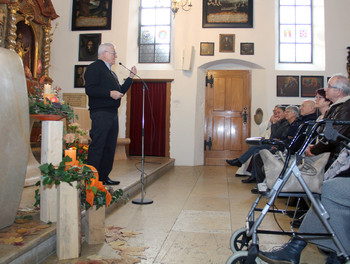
(227, 14)
(309, 85)
(227, 43)
(207, 49)
(88, 46)
(247, 48)
(91, 14)
(288, 86)
(79, 80)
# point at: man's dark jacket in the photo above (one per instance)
(99, 83)
(339, 111)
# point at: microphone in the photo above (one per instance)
(121, 64)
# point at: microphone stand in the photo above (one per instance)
(141, 200)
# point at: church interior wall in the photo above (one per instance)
(187, 92)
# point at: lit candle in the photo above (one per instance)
(47, 88)
(72, 153)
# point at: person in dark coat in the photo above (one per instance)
(338, 91)
(105, 93)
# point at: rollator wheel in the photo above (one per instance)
(240, 257)
(239, 240)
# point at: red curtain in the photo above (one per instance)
(154, 129)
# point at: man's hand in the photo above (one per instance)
(116, 95)
(133, 72)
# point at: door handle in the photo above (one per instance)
(208, 143)
(244, 114)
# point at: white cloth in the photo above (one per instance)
(342, 163)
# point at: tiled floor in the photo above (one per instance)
(194, 213)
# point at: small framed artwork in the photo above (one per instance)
(91, 15)
(79, 71)
(88, 46)
(247, 48)
(227, 14)
(309, 85)
(207, 49)
(288, 86)
(227, 43)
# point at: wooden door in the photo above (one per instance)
(227, 115)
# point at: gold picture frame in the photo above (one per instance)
(207, 49)
(227, 43)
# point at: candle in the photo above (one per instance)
(47, 88)
(72, 153)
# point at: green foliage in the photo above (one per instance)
(37, 106)
(81, 175)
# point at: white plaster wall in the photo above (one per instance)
(188, 87)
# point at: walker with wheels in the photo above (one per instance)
(244, 242)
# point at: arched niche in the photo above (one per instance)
(25, 27)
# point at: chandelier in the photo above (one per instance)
(185, 5)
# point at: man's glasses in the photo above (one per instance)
(114, 53)
(330, 86)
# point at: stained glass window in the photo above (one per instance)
(155, 31)
(295, 31)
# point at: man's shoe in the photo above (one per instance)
(288, 253)
(249, 180)
(108, 181)
(241, 175)
(255, 190)
(234, 162)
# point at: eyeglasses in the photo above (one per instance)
(113, 53)
(330, 86)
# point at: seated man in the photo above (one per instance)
(278, 130)
(336, 200)
(292, 117)
(307, 113)
(338, 91)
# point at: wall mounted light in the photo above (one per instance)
(185, 5)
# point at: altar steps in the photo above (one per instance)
(37, 247)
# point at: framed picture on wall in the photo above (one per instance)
(88, 46)
(247, 48)
(227, 43)
(79, 71)
(309, 85)
(227, 14)
(207, 49)
(91, 15)
(287, 86)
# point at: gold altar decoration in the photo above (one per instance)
(25, 27)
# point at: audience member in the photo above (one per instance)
(337, 91)
(278, 130)
(322, 103)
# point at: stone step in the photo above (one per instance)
(37, 248)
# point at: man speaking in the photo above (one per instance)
(104, 92)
